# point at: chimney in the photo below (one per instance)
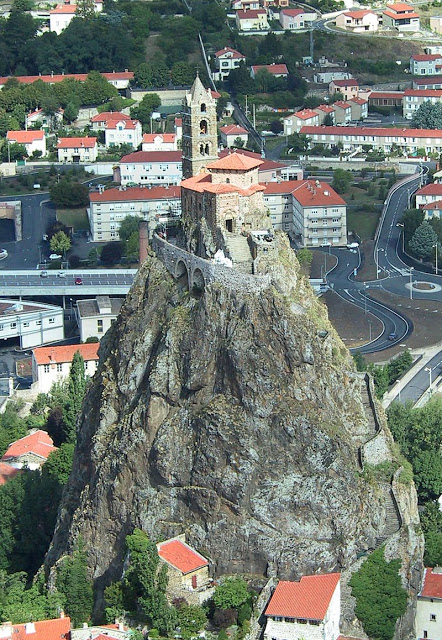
(143, 239)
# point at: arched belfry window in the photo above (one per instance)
(203, 108)
(203, 127)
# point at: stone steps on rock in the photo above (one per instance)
(239, 252)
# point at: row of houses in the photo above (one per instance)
(399, 17)
(340, 112)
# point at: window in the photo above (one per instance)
(425, 634)
(38, 323)
(100, 326)
(1, 327)
(46, 368)
(433, 617)
(26, 324)
(59, 367)
(51, 320)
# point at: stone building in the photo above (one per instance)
(188, 571)
(200, 139)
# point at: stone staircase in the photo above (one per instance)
(371, 425)
(239, 252)
(392, 523)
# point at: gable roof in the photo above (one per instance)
(399, 16)
(234, 54)
(233, 129)
(341, 104)
(153, 156)
(24, 137)
(424, 93)
(356, 15)
(393, 95)
(308, 599)
(181, 556)
(235, 162)
(436, 205)
(274, 69)
(136, 193)
(74, 143)
(326, 108)
(127, 124)
(432, 586)
(58, 77)
(372, 132)
(64, 8)
(286, 186)
(306, 114)
(250, 13)
(433, 189)
(7, 472)
(400, 6)
(65, 353)
(39, 443)
(426, 57)
(110, 115)
(358, 101)
(350, 82)
(57, 629)
(150, 138)
(292, 13)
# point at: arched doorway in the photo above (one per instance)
(182, 274)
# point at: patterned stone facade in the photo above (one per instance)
(200, 139)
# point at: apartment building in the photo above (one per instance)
(30, 323)
(414, 98)
(426, 64)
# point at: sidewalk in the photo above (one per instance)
(426, 355)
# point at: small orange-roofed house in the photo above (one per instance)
(188, 571)
(308, 609)
(31, 451)
(428, 621)
(77, 149)
(56, 629)
(400, 16)
(31, 140)
(52, 364)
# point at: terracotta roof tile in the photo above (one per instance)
(74, 143)
(150, 138)
(58, 629)
(7, 472)
(181, 556)
(426, 57)
(24, 137)
(110, 115)
(136, 193)
(381, 132)
(306, 114)
(39, 443)
(400, 16)
(437, 205)
(64, 8)
(385, 94)
(432, 587)
(310, 194)
(65, 353)
(59, 77)
(153, 156)
(423, 93)
(235, 162)
(287, 186)
(433, 189)
(308, 599)
(250, 13)
(350, 82)
(232, 129)
(356, 15)
(235, 55)
(292, 13)
(274, 69)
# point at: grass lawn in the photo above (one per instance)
(363, 209)
(76, 218)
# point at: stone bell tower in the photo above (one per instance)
(200, 139)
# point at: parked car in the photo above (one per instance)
(61, 274)
(44, 274)
(78, 281)
(55, 256)
(3, 254)
(392, 336)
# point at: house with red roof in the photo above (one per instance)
(323, 110)
(348, 87)
(76, 150)
(7, 471)
(227, 59)
(275, 70)
(412, 99)
(433, 210)
(56, 629)
(53, 364)
(188, 571)
(428, 194)
(159, 142)
(63, 14)
(359, 108)
(33, 141)
(252, 20)
(118, 129)
(428, 620)
(119, 79)
(426, 64)
(401, 17)
(358, 21)
(295, 19)
(161, 168)
(40, 119)
(294, 122)
(29, 452)
(308, 609)
(231, 133)
(385, 98)
(342, 111)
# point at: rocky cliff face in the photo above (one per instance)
(230, 417)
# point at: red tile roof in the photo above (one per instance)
(385, 94)
(24, 137)
(426, 57)
(64, 8)
(423, 93)
(356, 15)
(181, 556)
(437, 205)
(326, 108)
(306, 114)
(350, 82)
(7, 472)
(250, 13)
(165, 137)
(432, 587)
(233, 129)
(358, 101)
(109, 115)
(235, 55)
(400, 6)
(311, 194)
(372, 132)
(153, 156)
(203, 184)
(292, 13)
(433, 189)
(74, 143)
(400, 16)
(266, 164)
(235, 162)
(58, 629)
(40, 443)
(114, 75)
(428, 80)
(308, 599)
(274, 69)
(65, 353)
(136, 193)
(287, 186)
(127, 124)
(341, 104)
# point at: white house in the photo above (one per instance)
(118, 129)
(319, 214)
(430, 193)
(295, 19)
(38, 118)
(308, 609)
(61, 16)
(159, 142)
(278, 198)
(425, 64)
(294, 122)
(252, 20)
(276, 70)
(231, 133)
(95, 316)
(52, 364)
(342, 112)
(77, 149)
(99, 121)
(119, 79)
(433, 210)
(31, 140)
(31, 451)
(428, 621)
(31, 323)
(109, 207)
(414, 98)
(178, 129)
(150, 168)
(400, 16)
(227, 59)
(358, 21)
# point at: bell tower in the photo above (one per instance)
(200, 139)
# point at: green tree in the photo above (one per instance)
(13, 152)
(191, 620)
(85, 9)
(328, 120)
(73, 582)
(341, 180)
(231, 594)
(411, 219)
(128, 226)
(20, 603)
(423, 240)
(111, 253)
(75, 394)
(427, 466)
(69, 194)
(114, 601)
(143, 111)
(60, 243)
(380, 598)
(431, 521)
(71, 112)
(298, 143)
(305, 259)
(182, 73)
(428, 116)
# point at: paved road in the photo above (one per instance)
(30, 283)
(421, 381)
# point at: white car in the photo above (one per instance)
(55, 256)
(3, 254)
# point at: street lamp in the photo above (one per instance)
(369, 329)
(435, 247)
(399, 389)
(401, 224)
(429, 369)
(411, 283)
(377, 263)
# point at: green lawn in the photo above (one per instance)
(76, 218)
(363, 210)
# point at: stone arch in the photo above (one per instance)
(203, 127)
(182, 273)
(198, 282)
(203, 108)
